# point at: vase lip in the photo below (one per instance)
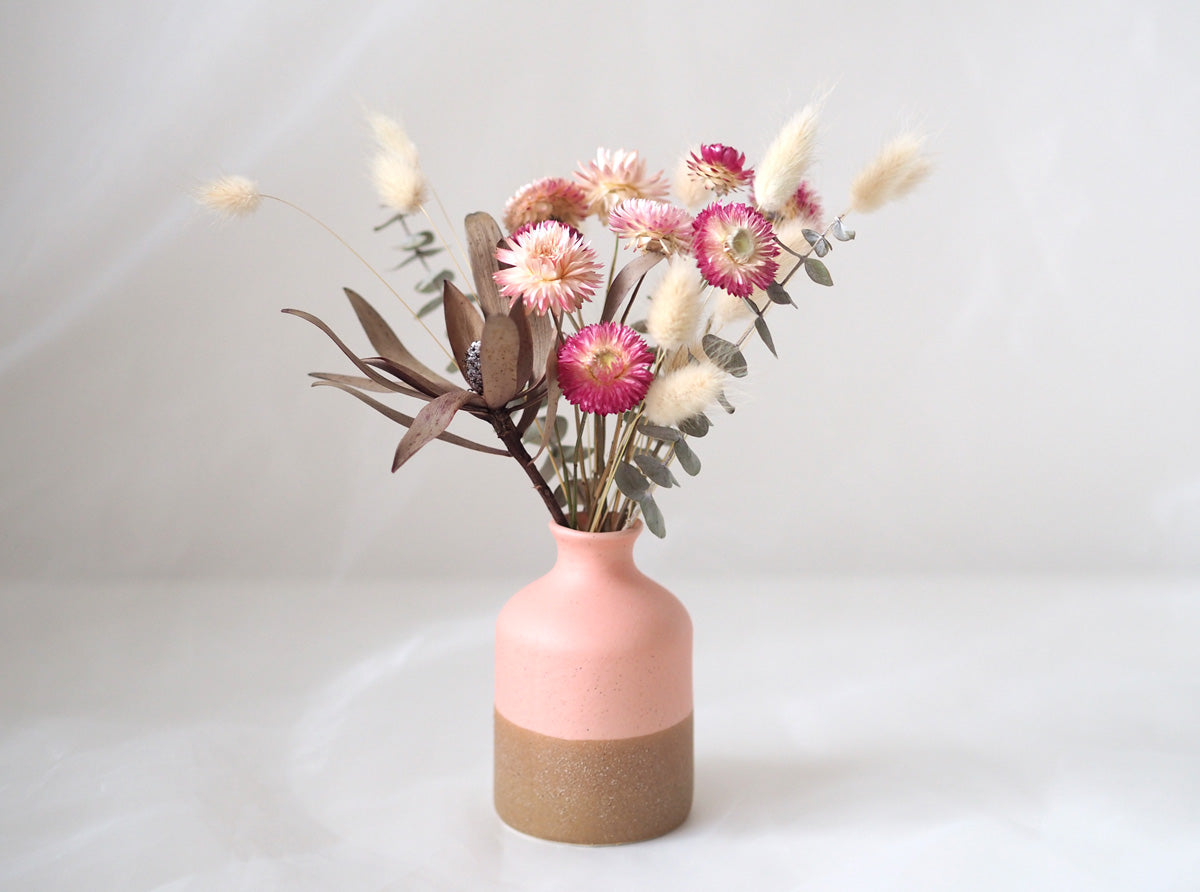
(568, 534)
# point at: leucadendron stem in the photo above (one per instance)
(511, 438)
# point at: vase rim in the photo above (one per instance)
(569, 533)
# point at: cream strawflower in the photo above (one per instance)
(673, 320)
(652, 226)
(616, 176)
(234, 196)
(785, 161)
(550, 268)
(684, 393)
(550, 198)
(893, 174)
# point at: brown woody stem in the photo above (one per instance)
(511, 438)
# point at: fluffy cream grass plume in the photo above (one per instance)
(896, 170)
(390, 136)
(396, 169)
(786, 160)
(233, 196)
(673, 319)
(684, 393)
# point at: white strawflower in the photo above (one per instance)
(896, 170)
(673, 319)
(234, 196)
(784, 163)
(684, 393)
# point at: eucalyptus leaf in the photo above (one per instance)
(652, 516)
(725, 404)
(760, 325)
(840, 232)
(429, 307)
(817, 271)
(688, 460)
(416, 241)
(819, 243)
(725, 355)
(657, 432)
(395, 218)
(752, 306)
(434, 283)
(656, 469)
(631, 482)
(696, 426)
(778, 294)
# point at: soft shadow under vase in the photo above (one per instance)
(593, 723)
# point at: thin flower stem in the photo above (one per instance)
(450, 224)
(799, 263)
(445, 244)
(345, 244)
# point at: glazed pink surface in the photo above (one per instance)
(594, 650)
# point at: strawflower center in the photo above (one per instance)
(741, 245)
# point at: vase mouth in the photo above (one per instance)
(569, 534)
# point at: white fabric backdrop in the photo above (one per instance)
(1004, 377)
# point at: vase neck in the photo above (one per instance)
(583, 552)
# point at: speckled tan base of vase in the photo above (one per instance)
(593, 792)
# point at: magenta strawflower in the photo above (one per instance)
(550, 198)
(616, 176)
(550, 268)
(735, 248)
(722, 169)
(652, 225)
(605, 368)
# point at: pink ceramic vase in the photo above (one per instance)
(593, 699)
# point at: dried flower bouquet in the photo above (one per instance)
(597, 412)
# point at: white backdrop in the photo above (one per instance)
(1005, 376)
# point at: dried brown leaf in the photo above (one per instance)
(553, 392)
(464, 325)
(409, 376)
(355, 381)
(408, 420)
(625, 281)
(525, 354)
(385, 341)
(483, 234)
(430, 422)
(498, 353)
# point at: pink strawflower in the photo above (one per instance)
(804, 205)
(550, 198)
(721, 168)
(605, 368)
(616, 176)
(652, 225)
(735, 248)
(550, 269)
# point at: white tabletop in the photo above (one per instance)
(995, 733)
